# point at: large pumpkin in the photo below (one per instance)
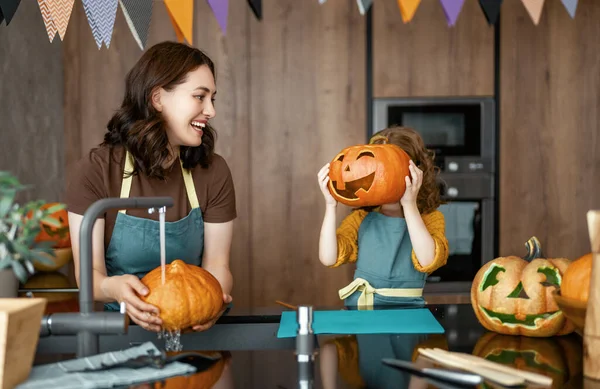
(59, 235)
(559, 358)
(369, 175)
(576, 281)
(513, 295)
(189, 296)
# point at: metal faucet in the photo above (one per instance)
(86, 323)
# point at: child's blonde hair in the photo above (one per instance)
(409, 140)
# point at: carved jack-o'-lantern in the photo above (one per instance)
(559, 358)
(369, 175)
(513, 295)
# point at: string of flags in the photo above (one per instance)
(101, 14)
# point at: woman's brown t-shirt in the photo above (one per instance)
(99, 175)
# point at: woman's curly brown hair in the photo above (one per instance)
(139, 127)
(409, 140)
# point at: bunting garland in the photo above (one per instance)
(452, 9)
(491, 9)
(8, 9)
(408, 9)
(256, 6)
(138, 14)
(181, 13)
(220, 8)
(101, 14)
(101, 18)
(534, 9)
(47, 17)
(571, 6)
(363, 5)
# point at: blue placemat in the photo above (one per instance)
(385, 321)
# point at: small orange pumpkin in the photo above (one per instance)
(513, 295)
(369, 175)
(189, 296)
(576, 281)
(59, 235)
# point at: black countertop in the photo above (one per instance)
(255, 358)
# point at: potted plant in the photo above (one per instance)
(19, 226)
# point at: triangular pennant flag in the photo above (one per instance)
(61, 13)
(256, 6)
(220, 8)
(408, 9)
(181, 13)
(101, 18)
(91, 8)
(452, 9)
(491, 9)
(48, 21)
(570, 5)
(364, 5)
(8, 9)
(534, 8)
(138, 14)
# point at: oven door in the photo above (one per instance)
(469, 219)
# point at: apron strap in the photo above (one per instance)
(365, 300)
(187, 180)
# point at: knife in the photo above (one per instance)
(439, 374)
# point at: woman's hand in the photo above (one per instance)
(323, 176)
(205, 326)
(413, 184)
(126, 288)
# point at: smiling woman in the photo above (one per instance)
(159, 143)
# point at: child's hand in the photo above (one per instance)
(413, 184)
(323, 176)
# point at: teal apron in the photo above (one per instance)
(134, 246)
(384, 274)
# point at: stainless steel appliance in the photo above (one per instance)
(461, 132)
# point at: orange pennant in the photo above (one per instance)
(408, 9)
(181, 13)
(534, 8)
(47, 16)
(61, 12)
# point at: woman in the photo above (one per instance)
(159, 143)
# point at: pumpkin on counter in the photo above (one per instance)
(513, 295)
(369, 175)
(576, 280)
(205, 379)
(559, 358)
(190, 295)
(60, 235)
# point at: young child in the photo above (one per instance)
(395, 246)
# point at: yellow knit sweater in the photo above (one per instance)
(347, 240)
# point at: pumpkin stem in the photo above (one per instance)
(534, 249)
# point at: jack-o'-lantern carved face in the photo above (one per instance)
(513, 295)
(369, 175)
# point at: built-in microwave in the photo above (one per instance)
(461, 132)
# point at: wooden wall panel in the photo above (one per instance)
(31, 116)
(426, 57)
(308, 101)
(550, 127)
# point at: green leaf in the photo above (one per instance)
(6, 202)
(20, 271)
(51, 221)
(6, 262)
(38, 256)
(55, 208)
(30, 267)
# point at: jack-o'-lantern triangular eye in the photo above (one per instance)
(341, 158)
(518, 293)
